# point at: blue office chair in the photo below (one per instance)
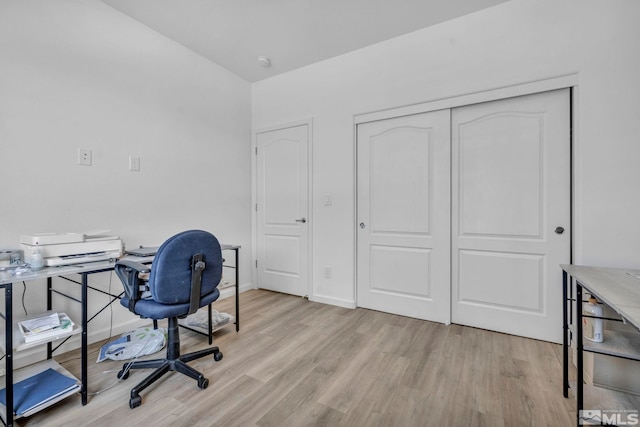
(184, 276)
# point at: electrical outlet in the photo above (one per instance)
(84, 156)
(134, 164)
(328, 270)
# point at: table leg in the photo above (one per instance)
(565, 337)
(579, 344)
(237, 293)
(84, 339)
(8, 304)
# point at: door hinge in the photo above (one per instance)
(256, 151)
(256, 263)
(256, 207)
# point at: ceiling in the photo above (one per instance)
(291, 33)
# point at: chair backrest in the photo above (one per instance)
(170, 278)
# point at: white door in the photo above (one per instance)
(282, 210)
(510, 202)
(403, 218)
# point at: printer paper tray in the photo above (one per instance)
(80, 258)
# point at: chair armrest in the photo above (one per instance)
(129, 272)
(134, 265)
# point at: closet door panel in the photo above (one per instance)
(510, 190)
(403, 251)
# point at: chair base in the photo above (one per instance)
(173, 362)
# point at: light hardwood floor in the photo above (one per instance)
(299, 363)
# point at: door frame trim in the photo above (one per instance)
(495, 94)
(569, 81)
(254, 197)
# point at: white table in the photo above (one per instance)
(620, 290)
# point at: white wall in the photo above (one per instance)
(77, 73)
(513, 43)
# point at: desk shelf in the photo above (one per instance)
(198, 322)
(604, 398)
(616, 343)
(18, 339)
(20, 374)
(28, 371)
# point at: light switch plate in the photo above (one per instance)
(134, 164)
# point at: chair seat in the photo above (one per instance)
(152, 310)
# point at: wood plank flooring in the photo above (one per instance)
(299, 363)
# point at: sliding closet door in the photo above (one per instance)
(510, 204)
(403, 218)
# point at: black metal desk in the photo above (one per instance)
(84, 270)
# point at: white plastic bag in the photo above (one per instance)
(136, 343)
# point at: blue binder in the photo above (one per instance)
(37, 390)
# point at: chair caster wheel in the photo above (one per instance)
(122, 375)
(217, 356)
(203, 383)
(134, 402)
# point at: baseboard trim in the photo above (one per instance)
(333, 301)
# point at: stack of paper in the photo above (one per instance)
(39, 391)
(50, 326)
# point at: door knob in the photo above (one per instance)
(362, 225)
(559, 230)
(302, 220)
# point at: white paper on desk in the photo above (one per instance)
(96, 233)
(41, 324)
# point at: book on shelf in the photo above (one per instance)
(49, 326)
(39, 390)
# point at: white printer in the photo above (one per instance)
(71, 248)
